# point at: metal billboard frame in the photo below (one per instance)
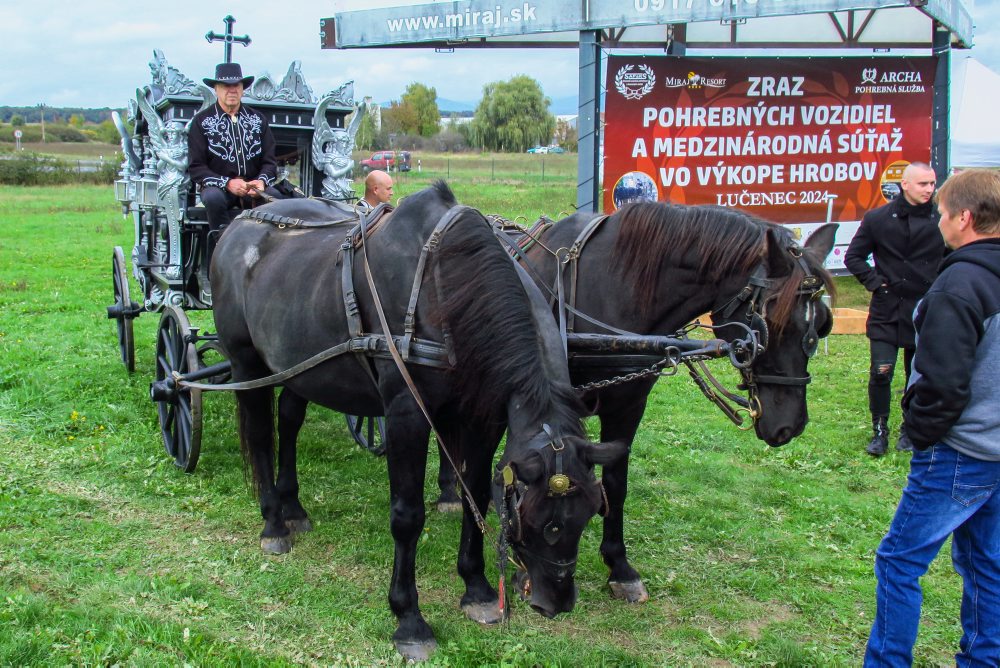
(591, 26)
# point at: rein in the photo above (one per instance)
(752, 298)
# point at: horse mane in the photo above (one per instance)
(723, 242)
(494, 332)
(715, 242)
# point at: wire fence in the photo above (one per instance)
(531, 168)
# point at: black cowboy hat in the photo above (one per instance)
(228, 73)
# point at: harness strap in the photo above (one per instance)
(426, 353)
(442, 226)
(574, 255)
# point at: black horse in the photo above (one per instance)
(287, 290)
(651, 268)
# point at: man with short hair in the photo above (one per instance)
(904, 240)
(378, 188)
(952, 412)
(230, 150)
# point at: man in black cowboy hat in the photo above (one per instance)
(230, 149)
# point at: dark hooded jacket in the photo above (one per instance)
(954, 391)
(907, 247)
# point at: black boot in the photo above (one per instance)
(880, 436)
(903, 443)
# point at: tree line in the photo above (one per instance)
(512, 116)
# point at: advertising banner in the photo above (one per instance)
(791, 140)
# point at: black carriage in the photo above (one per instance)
(168, 259)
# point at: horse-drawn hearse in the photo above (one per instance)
(168, 259)
(437, 317)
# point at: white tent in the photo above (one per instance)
(975, 105)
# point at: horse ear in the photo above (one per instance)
(603, 453)
(779, 262)
(820, 242)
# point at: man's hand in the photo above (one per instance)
(237, 186)
(255, 188)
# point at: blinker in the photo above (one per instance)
(508, 475)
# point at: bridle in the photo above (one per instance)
(752, 301)
(559, 487)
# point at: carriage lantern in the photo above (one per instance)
(124, 190)
(145, 192)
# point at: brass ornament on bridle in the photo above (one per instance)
(559, 484)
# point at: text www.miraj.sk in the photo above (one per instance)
(496, 17)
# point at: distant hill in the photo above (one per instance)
(54, 114)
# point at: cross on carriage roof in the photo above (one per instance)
(228, 38)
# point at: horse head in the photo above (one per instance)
(781, 306)
(547, 493)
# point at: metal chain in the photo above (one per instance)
(656, 369)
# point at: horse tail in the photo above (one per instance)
(255, 416)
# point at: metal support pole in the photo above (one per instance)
(588, 122)
(940, 122)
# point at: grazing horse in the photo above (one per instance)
(650, 269)
(482, 354)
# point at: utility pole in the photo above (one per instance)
(41, 112)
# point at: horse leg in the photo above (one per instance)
(480, 601)
(619, 421)
(256, 411)
(406, 458)
(291, 415)
(449, 501)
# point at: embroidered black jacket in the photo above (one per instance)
(221, 148)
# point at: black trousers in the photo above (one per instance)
(218, 204)
(883, 366)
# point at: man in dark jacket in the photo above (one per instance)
(952, 412)
(904, 239)
(230, 150)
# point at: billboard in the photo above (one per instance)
(792, 140)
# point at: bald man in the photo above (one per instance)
(906, 245)
(378, 188)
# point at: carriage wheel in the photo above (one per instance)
(123, 310)
(209, 353)
(180, 414)
(368, 432)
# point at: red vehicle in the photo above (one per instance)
(387, 160)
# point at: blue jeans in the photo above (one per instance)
(947, 493)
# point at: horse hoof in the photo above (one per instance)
(484, 613)
(276, 544)
(632, 592)
(416, 650)
(299, 526)
(449, 506)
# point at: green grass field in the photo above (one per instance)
(110, 556)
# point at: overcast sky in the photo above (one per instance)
(94, 53)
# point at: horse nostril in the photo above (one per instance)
(548, 614)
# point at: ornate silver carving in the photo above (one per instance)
(168, 142)
(293, 88)
(167, 79)
(331, 147)
(343, 96)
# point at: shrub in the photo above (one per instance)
(32, 169)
